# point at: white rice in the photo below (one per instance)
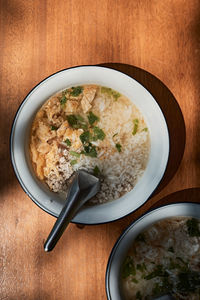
(154, 251)
(119, 171)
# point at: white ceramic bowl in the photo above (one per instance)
(121, 247)
(49, 201)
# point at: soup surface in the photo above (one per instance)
(164, 259)
(93, 128)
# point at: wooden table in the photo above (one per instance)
(38, 38)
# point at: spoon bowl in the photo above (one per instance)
(83, 187)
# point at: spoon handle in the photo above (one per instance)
(83, 187)
(66, 215)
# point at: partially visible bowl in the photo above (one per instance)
(19, 146)
(125, 241)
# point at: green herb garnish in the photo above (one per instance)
(145, 129)
(158, 271)
(193, 227)
(96, 171)
(115, 134)
(184, 266)
(171, 249)
(72, 120)
(135, 128)
(106, 90)
(134, 280)
(110, 92)
(141, 267)
(180, 258)
(80, 118)
(118, 146)
(128, 267)
(73, 162)
(65, 91)
(68, 142)
(89, 150)
(76, 91)
(85, 137)
(138, 295)
(116, 95)
(140, 238)
(53, 127)
(63, 100)
(188, 281)
(163, 287)
(74, 153)
(77, 121)
(98, 134)
(92, 118)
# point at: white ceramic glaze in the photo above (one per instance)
(154, 118)
(120, 249)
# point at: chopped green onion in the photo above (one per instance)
(116, 95)
(115, 134)
(128, 267)
(96, 171)
(157, 272)
(68, 142)
(134, 280)
(145, 129)
(63, 100)
(188, 281)
(106, 90)
(89, 150)
(80, 118)
(73, 162)
(110, 92)
(74, 153)
(180, 259)
(76, 91)
(92, 118)
(77, 121)
(135, 128)
(85, 137)
(193, 227)
(53, 127)
(141, 267)
(118, 146)
(65, 92)
(161, 288)
(98, 134)
(72, 120)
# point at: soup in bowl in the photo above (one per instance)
(93, 128)
(158, 254)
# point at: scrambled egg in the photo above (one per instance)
(50, 128)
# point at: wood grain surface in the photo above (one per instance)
(38, 38)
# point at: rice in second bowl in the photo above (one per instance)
(93, 128)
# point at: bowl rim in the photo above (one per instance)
(126, 230)
(25, 189)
